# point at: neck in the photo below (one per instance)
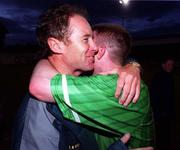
(61, 67)
(104, 65)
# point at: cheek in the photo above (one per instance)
(82, 51)
(77, 56)
(79, 52)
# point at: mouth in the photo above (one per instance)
(91, 59)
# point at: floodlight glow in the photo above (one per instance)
(125, 2)
(120, 1)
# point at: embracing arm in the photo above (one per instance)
(39, 85)
(129, 82)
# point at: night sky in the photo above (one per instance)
(143, 19)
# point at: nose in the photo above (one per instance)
(93, 47)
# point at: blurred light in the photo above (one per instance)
(124, 2)
(120, 1)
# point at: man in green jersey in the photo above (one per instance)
(90, 100)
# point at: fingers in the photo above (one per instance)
(129, 83)
(120, 84)
(137, 94)
(125, 138)
(127, 90)
(132, 92)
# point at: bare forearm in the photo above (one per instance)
(39, 85)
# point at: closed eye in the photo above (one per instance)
(85, 40)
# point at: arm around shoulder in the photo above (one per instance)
(39, 85)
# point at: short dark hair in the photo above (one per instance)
(117, 37)
(55, 22)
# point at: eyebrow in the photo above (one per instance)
(87, 35)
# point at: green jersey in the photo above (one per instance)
(91, 101)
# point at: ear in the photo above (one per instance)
(101, 52)
(55, 45)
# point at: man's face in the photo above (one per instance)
(169, 65)
(80, 51)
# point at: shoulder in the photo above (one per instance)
(42, 62)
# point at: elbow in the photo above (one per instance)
(33, 90)
(40, 91)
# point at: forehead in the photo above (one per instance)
(79, 25)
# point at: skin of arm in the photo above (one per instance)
(129, 82)
(92, 98)
(40, 81)
(131, 90)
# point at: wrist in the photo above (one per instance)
(135, 64)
